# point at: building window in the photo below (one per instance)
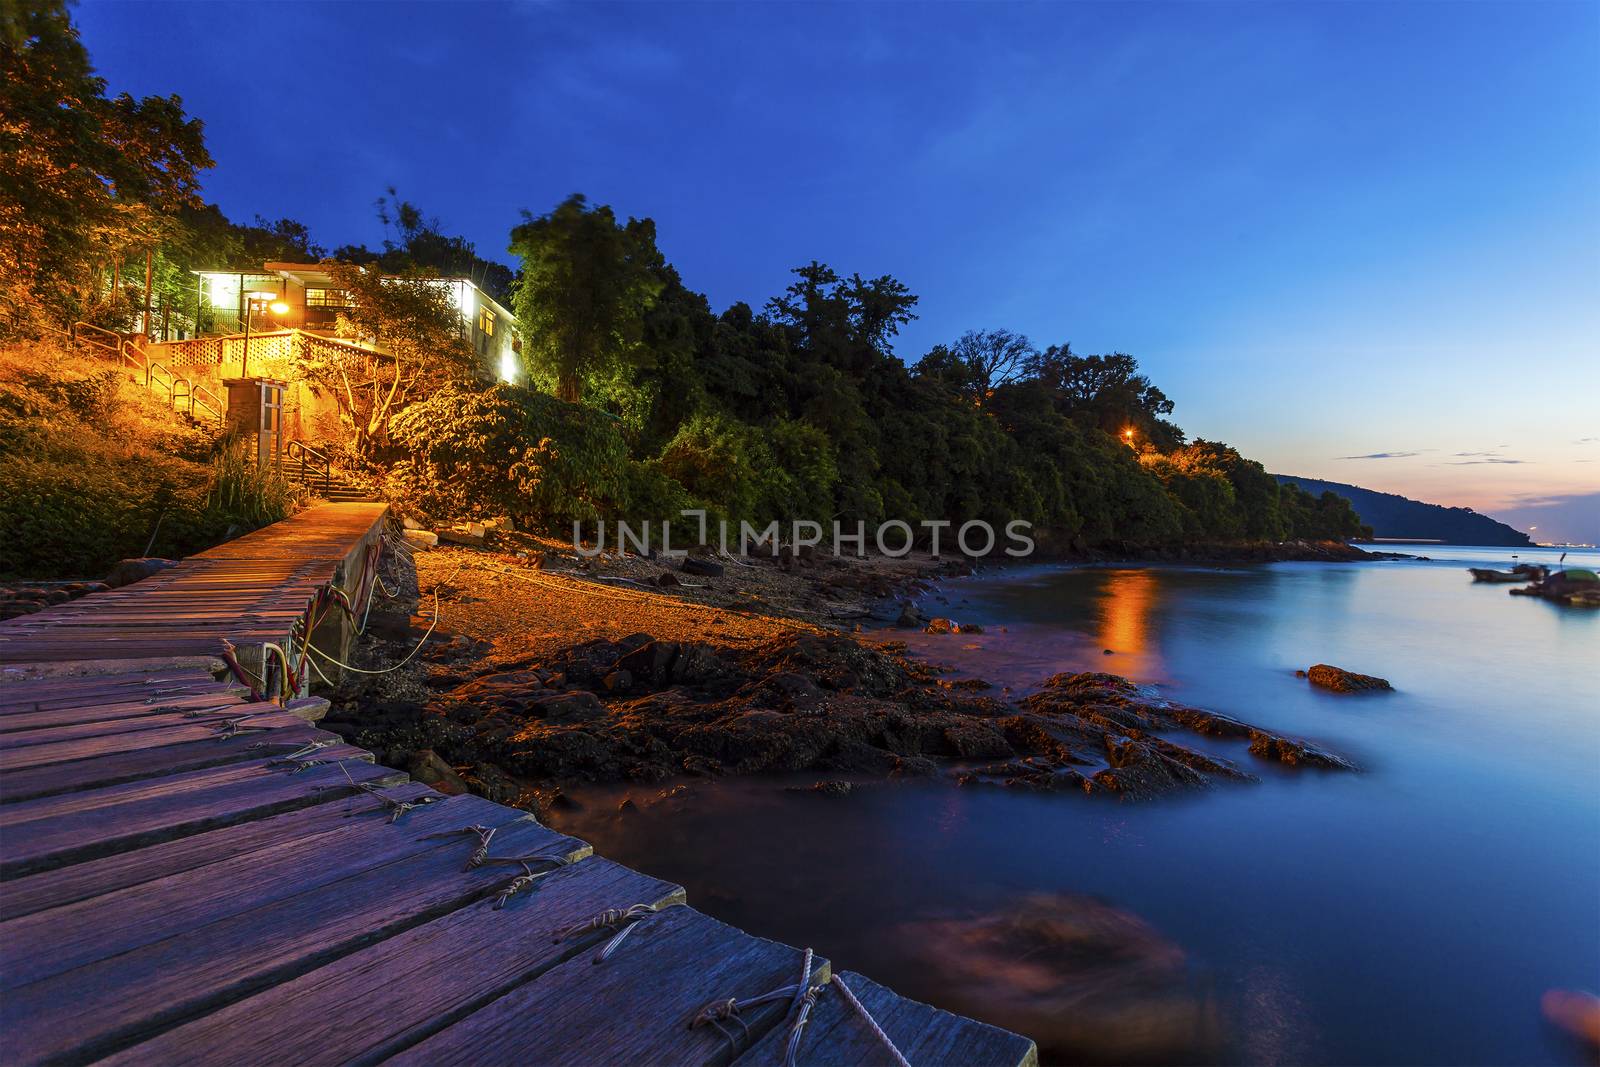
(327, 298)
(486, 321)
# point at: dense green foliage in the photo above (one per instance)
(586, 284)
(84, 178)
(803, 411)
(799, 410)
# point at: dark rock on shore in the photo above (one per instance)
(640, 709)
(1342, 681)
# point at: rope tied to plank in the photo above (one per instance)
(395, 808)
(299, 755)
(627, 918)
(872, 1024)
(200, 713)
(524, 881)
(802, 997)
(235, 727)
(480, 855)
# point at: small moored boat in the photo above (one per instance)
(1484, 574)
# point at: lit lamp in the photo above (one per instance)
(1127, 436)
(265, 300)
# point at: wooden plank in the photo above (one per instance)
(30, 695)
(634, 1008)
(73, 935)
(835, 1036)
(95, 878)
(21, 719)
(430, 976)
(54, 831)
(130, 766)
(137, 994)
(57, 744)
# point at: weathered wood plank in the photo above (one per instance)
(25, 720)
(53, 831)
(30, 694)
(96, 878)
(835, 1036)
(129, 766)
(634, 1008)
(137, 994)
(430, 976)
(50, 942)
(87, 740)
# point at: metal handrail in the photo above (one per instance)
(116, 338)
(311, 457)
(204, 397)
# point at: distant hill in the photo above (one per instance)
(1397, 516)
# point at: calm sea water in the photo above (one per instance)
(1412, 913)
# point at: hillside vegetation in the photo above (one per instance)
(634, 398)
(1391, 515)
(94, 469)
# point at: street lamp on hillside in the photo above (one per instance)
(254, 302)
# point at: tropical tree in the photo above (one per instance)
(414, 321)
(84, 180)
(587, 284)
(979, 363)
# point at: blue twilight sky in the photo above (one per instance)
(1328, 231)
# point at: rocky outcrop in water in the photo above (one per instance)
(1342, 681)
(641, 709)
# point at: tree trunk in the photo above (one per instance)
(569, 387)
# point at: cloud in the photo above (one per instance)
(1472, 462)
(1382, 455)
(1475, 453)
(1587, 441)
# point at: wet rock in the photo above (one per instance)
(618, 681)
(133, 570)
(667, 580)
(428, 768)
(1140, 771)
(975, 739)
(1342, 681)
(941, 625)
(705, 567)
(576, 706)
(836, 787)
(491, 782)
(651, 662)
(910, 618)
(1295, 753)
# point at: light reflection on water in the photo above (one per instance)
(1409, 914)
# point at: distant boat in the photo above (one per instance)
(1484, 574)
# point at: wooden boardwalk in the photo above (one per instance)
(190, 876)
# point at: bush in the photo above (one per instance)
(244, 494)
(509, 450)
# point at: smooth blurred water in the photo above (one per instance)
(1412, 913)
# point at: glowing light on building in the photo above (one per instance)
(508, 366)
(224, 290)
